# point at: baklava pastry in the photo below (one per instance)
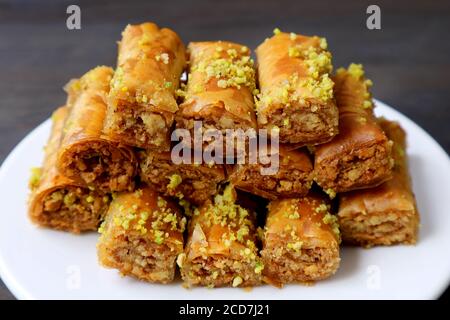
(87, 155)
(292, 175)
(142, 235)
(387, 214)
(58, 202)
(296, 96)
(221, 248)
(142, 101)
(301, 241)
(219, 93)
(196, 183)
(360, 155)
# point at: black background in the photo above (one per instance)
(408, 59)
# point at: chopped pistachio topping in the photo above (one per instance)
(294, 215)
(259, 267)
(159, 236)
(356, 70)
(174, 181)
(321, 208)
(333, 222)
(276, 31)
(101, 229)
(331, 193)
(35, 177)
(232, 70)
(237, 281)
(296, 246)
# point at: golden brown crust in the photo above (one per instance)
(301, 241)
(87, 155)
(221, 249)
(142, 236)
(296, 91)
(386, 214)
(292, 179)
(195, 183)
(360, 155)
(219, 88)
(58, 202)
(142, 102)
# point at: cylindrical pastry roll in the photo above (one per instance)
(142, 235)
(142, 101)
(58, 202)
(196, 183)
(221, 249)
(296, 90)
(292, 176)
(360, 155)
(301, 241)
(220, 87)
(86, 155)
(387, 214)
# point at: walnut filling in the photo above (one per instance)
(197, 185)
(143, 259)
(101, 166)
(74, 209)
(139, 125)
(216, 119)
(220, 271)
(359, 168)
(298, 125)
(283, 265)
(285, 183)
(383, 228)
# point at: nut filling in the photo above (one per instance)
(102, 166)
(74, 209)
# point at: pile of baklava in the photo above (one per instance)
(112, 162)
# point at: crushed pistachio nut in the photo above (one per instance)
(69, 199)
(294, 215)
(276, 31)
(237, 281)
(333, 222)
(296, 246)
(331, 193)
(101, 229)
(356, 70)
(159, 236)
(35, 177)
(174, 181)
(259, 267)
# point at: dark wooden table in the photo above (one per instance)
(408, 59)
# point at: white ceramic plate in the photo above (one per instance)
(44, 264)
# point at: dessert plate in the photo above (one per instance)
(37, 263)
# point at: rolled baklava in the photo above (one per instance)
(219, 95)
(296, 97)
(87, 155)
(360, 155)
(58, 202)
(386, 214)
(196, 183)
(142, 101)
(301, 241)
(292, 175)
(221, 248)
(142, 235)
